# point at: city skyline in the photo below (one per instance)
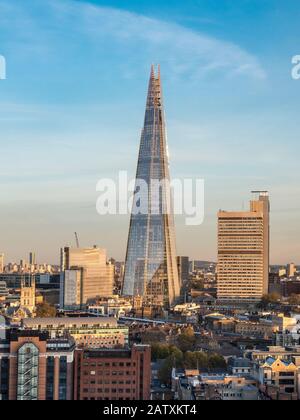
(224, 93)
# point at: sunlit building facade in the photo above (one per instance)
(85, 275)
(243, 252)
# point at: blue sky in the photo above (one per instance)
(72, 107)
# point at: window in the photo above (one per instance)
(50, 378)
(63, 367)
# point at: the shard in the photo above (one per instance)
(150, 268)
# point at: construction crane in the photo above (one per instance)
(77, 240)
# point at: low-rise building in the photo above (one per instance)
(116, 307)
(275, 352)
(90, 332)
(223, 386)
(281, 375)
(254, 329)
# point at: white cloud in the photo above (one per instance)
(182, 51)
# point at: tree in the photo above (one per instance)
(163, 351)
(201, 360)
(270, 299)
(216, 361)
(197, 284)
(153, 336)
(45, 310)
(159, 351)
(186, 340)
(165, 372)
(195, 359)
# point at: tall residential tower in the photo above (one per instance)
(243, 252)
(151, 267)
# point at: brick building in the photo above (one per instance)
(113, 374)
(34, 367)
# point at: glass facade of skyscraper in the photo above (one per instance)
(151, 269)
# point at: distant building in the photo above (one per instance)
(32, 259)
(289, 287)
(183, 265)
(113, 374)
(85, 276)
(27, 299)
(255, 329)
(1, 263)
(240, 366)
(291, 270)
(243, 252)
(42, 280)
(4, 292)
(274, 352)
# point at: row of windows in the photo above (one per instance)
(108, 390)
(108, 373)
(105, 382)
(106, 398)
(108, 364)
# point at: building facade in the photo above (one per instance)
(183, 265)
(279, 378)
(1, 263)
(243, 252)
(113, 374)
(92, 332)
(28, 294)
(34, 367)
(85, 275)
(151, 267)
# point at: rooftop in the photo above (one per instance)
(68, 322)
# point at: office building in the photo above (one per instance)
(85, 276)
(150, 266)
(1, 263)
(34, 367)
(32, 260)
(113, 374)
(4, 292)
(291, 270)
(183, 265)
(93, 332)
(243, 252)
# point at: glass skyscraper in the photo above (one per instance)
(150, 267)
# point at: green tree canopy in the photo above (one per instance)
(45, 310)
(186, 340)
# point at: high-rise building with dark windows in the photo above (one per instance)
(151, 266)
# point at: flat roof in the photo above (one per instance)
(44, 322)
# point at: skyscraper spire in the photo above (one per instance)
(150, 267)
